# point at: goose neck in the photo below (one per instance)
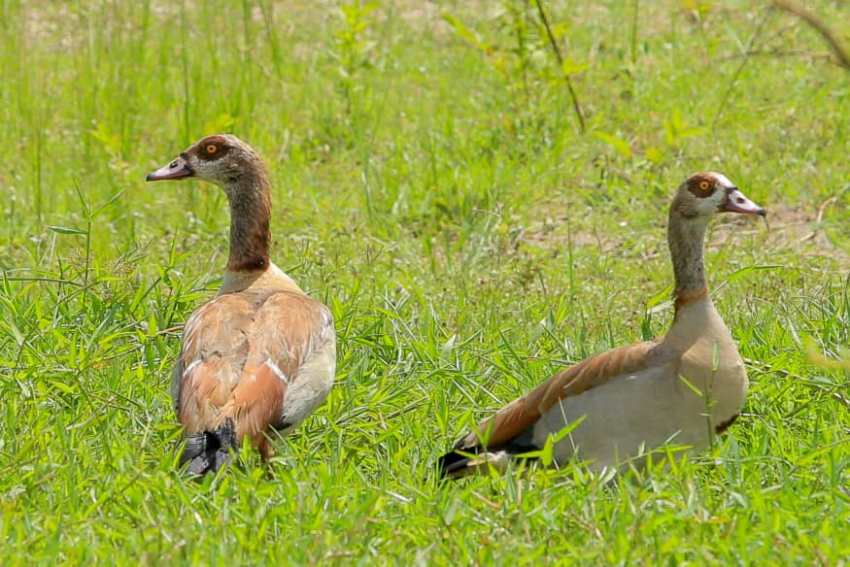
(250, 213)
(685, 238)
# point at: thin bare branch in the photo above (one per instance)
(560, 58)
(815, 22)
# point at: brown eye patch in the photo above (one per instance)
(701, 186)
(212, 147)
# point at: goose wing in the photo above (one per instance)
(523, 412)
(243, 352)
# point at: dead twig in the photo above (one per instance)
(823, 206)
(560, 58)
(821, 211)
(826, 56)
(819, 26)
(635, 16)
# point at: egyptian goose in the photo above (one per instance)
(261, 355)
(683, 388)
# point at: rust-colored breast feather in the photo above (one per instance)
(517, 416)
(241, 351)
(256, 403)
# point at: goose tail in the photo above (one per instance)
(208, 451)
(459, 463)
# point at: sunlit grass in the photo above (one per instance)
(432, 187)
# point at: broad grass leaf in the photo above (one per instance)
(66, 230)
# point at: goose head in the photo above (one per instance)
(221, 159)
(702, 195)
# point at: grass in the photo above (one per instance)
(431, 185)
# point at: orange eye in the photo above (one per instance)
(211, 149)
(704, 185)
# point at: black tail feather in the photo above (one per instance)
(452, 462)
(208, 451)
(461, 462)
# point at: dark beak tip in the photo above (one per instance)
(149, 177)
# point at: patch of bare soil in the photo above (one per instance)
(796, 229)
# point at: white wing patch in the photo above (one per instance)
(195, 363)
(278, 372)
(314, 381)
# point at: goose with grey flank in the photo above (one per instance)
(683, 388)
(260, 356)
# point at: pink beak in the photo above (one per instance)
(737, 202)
(177, 169)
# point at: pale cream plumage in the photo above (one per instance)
(682, 389)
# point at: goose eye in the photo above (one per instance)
(704, 185)
(211, 149)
